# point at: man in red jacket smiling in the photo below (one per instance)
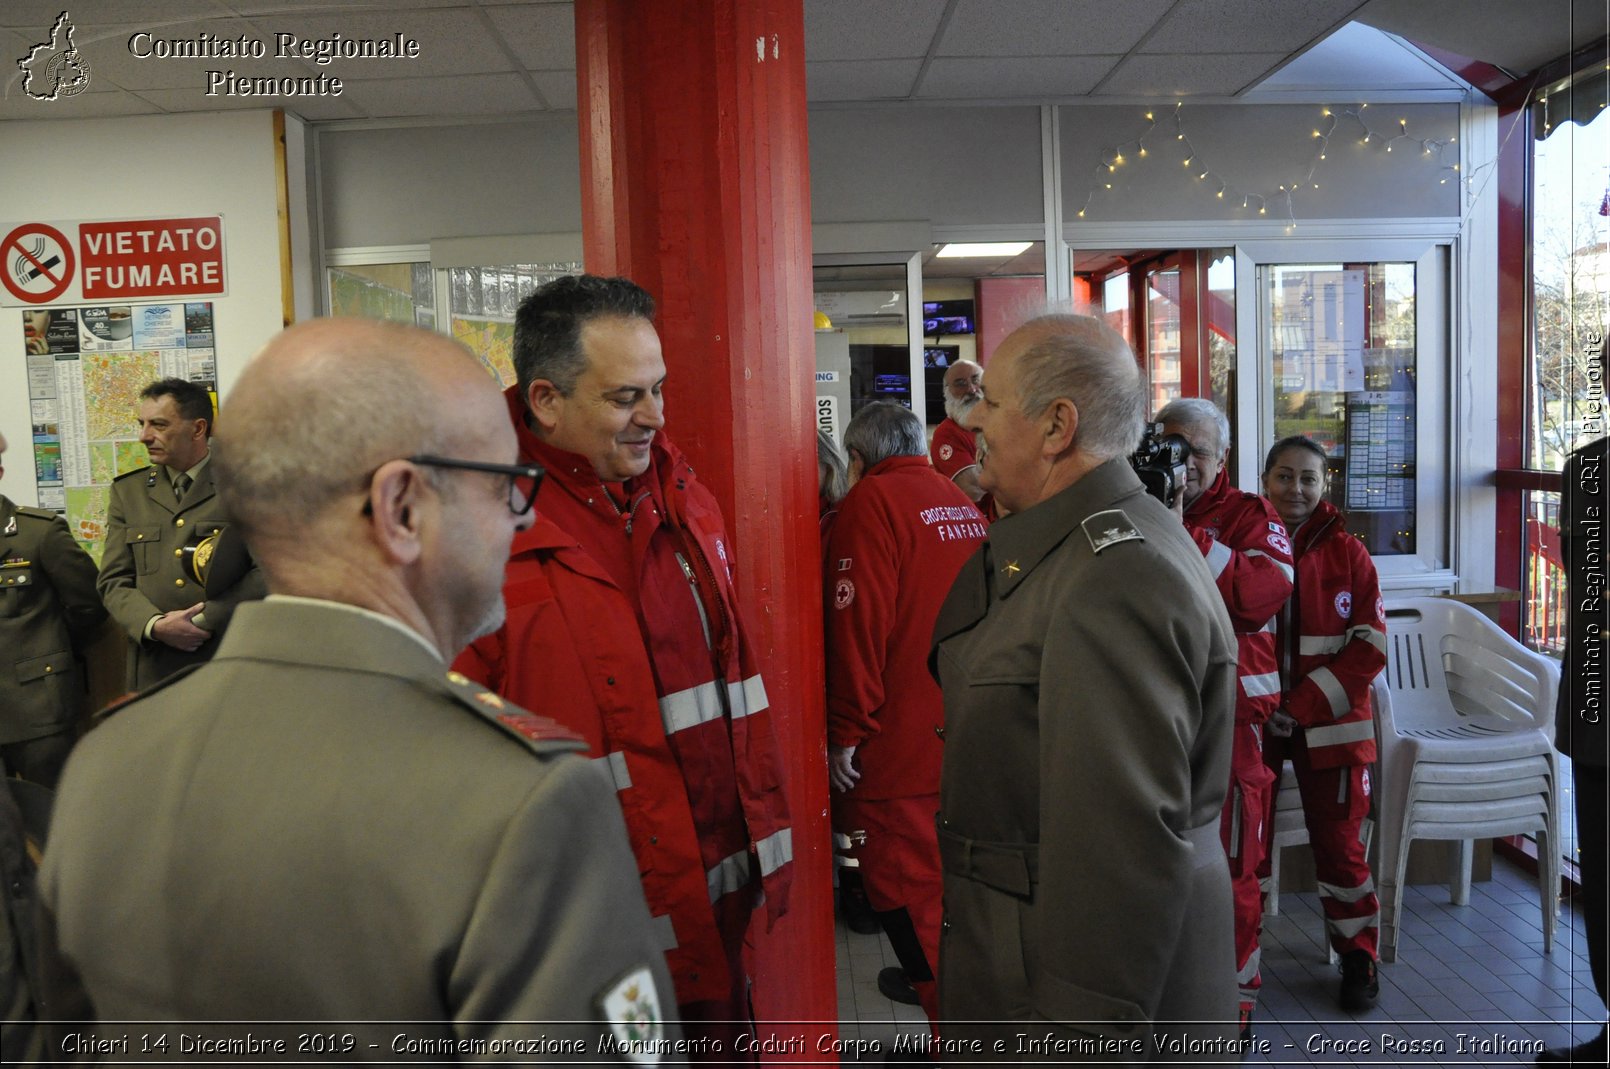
(622, 617)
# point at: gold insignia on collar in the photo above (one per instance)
(458, 678)
(1011, 568)
(486, 697)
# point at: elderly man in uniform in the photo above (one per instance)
(1246, 547)
(155, 514)
(1088, 673)
(323, 823)
(48, 611)
(622, 611)
(954, 449)
(902, 534)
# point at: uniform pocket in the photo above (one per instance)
(46, 667)
(15, 583)
(145, 542)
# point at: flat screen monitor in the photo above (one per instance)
(947, 317)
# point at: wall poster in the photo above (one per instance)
(86, 368)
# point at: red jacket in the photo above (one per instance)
(1332, 641)
(953, 450)
(1249, 555)
(628, 666)
(902, 534)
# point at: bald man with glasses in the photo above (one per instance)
(324, 823)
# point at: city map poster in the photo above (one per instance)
(86, 368)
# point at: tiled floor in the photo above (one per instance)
(1477, 971)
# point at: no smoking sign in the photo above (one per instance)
(38, 263)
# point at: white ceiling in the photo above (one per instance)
(511, 58)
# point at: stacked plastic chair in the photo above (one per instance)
(1466, 734)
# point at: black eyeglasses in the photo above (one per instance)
(524, 479)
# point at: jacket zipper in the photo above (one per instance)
(698, 602)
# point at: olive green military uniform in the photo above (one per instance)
(1088, 671)
(323, 824)
(142, 567)
(48, 609)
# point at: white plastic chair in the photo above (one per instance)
(1466, 733)
(1291, 829)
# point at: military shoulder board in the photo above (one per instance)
(511, 718)
(1109, 528)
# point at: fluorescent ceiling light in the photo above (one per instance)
(984, 248)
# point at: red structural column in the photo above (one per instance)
(695, 183)
(1513, 181)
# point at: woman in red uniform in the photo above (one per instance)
(1331, 640)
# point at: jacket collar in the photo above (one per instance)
(280, 630)
(1213, 497)
(1018, 543)
(1324, 521)
(1024, 539)
(159, 488)
(892, 464)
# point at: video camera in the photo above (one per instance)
(1159, 460)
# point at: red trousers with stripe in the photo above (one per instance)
(1244, 831)
(1336, 802)
(900, 869)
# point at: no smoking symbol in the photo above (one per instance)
(38, 263)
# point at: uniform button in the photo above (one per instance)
(945, 924)
(138, 537)
(939, 731)
(178, 552)
(654, 840)
(179, 522)
(178, 582)
(47, 669)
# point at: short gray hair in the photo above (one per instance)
(882, 430)
(1197, 412)
(1086, 361)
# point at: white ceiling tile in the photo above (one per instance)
(861, 79)
(36, 17)
(451, 42)
(542, 36)
(855, 29)
(258, 8)
(1036, 78)
(474, 94)
(86, 105)
(314, 109)
(1220, 74)
(111, 56)
(1048, 27)
(1195, 26)
(558, 88)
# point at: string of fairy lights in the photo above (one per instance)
(1334, 124)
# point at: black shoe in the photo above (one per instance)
(1360, 986)
(894, 986)
(856, 910)
(1246, 1027)
(1590, 1053)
